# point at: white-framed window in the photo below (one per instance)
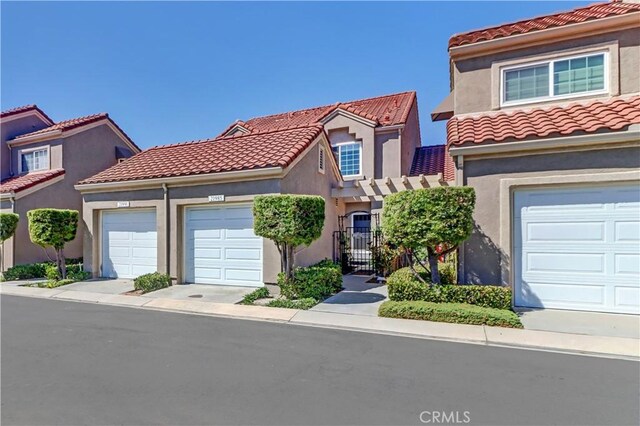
(349, 157)
(321, 159)
(34, 159)
(561, 78)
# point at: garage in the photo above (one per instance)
(578, 248)
(129, 243)
(221, 247)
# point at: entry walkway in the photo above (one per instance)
(358, 297)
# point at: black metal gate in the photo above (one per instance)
(355, 248)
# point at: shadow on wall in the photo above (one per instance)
(483, 259)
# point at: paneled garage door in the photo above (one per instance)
(129, 243)
(578, 248)
(221, 247)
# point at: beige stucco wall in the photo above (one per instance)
(9, 129)
(344, 129)
(476, 84)
(485, 258)
(410, 141)
(81, 155)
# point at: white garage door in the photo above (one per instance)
(221, 247)
(129, 243)
(578, 248)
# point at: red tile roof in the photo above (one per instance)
(612, 114)
(428, 160)
(582, 14)
(24, 108)
(20, 183)
(385, 110)
(254, 151)
(68, 124)
(449, 173)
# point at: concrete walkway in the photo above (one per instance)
(616, 347)
(357, 298)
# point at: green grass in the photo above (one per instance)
(259, 293)
(302, 304)
(55, 283)
(458, 313)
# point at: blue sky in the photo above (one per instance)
(171, 72)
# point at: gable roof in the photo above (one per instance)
(385, 110)
(20, 183)
(581, 14)
(22, 109)
(612, 114)
(254, 151)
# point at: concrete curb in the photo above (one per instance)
(615, 347)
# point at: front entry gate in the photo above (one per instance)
(355, 247)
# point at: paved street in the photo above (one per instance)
(66, 363)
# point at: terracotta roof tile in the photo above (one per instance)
(428, 160)
(254, 151)
(449, 173)
(582, 14)
(385, 110)
(20, 183)
(24, 108)
(68, 124)
(613, 114)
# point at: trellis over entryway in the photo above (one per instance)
(377, 189)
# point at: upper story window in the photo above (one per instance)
(34, 160)
(349, 156)
(555, 79)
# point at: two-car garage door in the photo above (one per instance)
(578, 248)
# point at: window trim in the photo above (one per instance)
(550, 62)
(30, 150)
(338, 145)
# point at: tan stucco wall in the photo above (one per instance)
(81, 155)
(485, 258)
(410, 141)
(475, 87)
(344, 129)
(9, 129)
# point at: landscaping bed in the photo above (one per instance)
(458, 313)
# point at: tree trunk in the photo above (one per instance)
(409, 256)
(61, 264)
(290, 261)
(433, 265)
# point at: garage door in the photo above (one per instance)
(578, 248)
(129, 243)
(221, 247)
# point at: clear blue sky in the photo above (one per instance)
(171, 72)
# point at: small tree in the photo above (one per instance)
(55, 228)
(8, 226)
(435, 220)
(289, 221)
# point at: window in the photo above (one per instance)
(34, 160)
(561, 78)
(321, 160)
(349, 157)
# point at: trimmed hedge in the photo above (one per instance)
(403, 286)
(302, 304)
(8, 225)
(36, 270)
(459, 313)
(259, 293)
(315, 282)
(151, 282)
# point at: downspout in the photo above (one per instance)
(10, 166)
(167, 229)
(459, 181)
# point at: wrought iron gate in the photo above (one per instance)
(355, 248)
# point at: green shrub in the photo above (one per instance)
(51, 272)
(25, 272)
(259, 293)
(54, 228)
(459, 313)
(78, 275)
(8, 226)
(316, 282)
(303, 304)
(55, 283)
(151, 282)
(403, 286)
(289, 221)
(448, 273)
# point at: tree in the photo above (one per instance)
(55, 228)
(289, 221)
(435, 220)
(8, 226)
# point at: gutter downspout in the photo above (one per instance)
(167, 229)
(10, 165)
